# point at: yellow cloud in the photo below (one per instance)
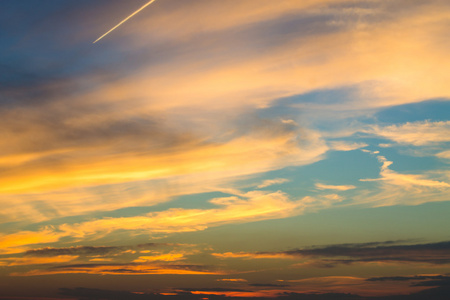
(162, 257)
(254, 207)
(18, 242)
(270, 182)
(123, 269)
(21, 261)
(255, 255)
(321, 186)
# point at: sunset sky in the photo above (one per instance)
(203, 149)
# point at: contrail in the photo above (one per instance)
(126, 19)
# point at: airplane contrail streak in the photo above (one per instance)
(123, 21)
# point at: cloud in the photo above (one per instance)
(87, 250)
(321, 186)
(428, 279)
(269, 285)
(104, 294)
(123, 269)
(270, 182)
(253, 255)
(406, 180)
(162, 257)
(415, 133)
(351, 287)
(444, 154)
(249, 207)
(108, 124)
(115, 159)
(232, 280)
(333, 255)
(346, 146)
(246, 207)
(20, 241)
(407, 189)
(23, 261)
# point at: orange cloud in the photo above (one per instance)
(162, 257)
(232, 279)
(255, 255)
(19, 241)
(21, 261)
(122, 269)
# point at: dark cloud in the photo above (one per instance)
(267, 285)
(126, 268)
(410, 278)
(88, 293)
(441, 293)
(83, 293)
(390, 251)
(419, 280)
(87, 250)
(212, 290)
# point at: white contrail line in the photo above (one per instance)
(126, 19)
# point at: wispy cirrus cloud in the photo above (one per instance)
(346, 146)
(403, 188)
(322, 186)
(407, 180)
(270, 182)
(252, 206)
(92, 127)
(415, 133)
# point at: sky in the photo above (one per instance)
(224, 149)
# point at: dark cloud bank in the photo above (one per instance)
(436, 293)
(390, 251)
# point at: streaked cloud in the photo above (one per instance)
(346, 146)
(321, 186)
(232, 280)
(89, 250)
(123, 269)
(415, 133)
(161, 257)
(252, 255)
(334, 255)
(23, 261)
(401, 188)
(19, 241)
(444, 154)
(253, 206)
(186, 117)
(395, 178)
(270, 182)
